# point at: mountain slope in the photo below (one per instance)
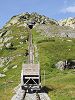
(68, 22)
(53, 45)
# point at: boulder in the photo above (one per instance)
(5, 69)
(5, 60)
(6, 39)
(9, 45)
(14, 67)
(3, 33)
(2, 75)
(2, 62)
(67, 64)
(60, 65)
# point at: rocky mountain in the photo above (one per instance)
(68, 22)
(43, 24)
(14, 35)
(24, 18)
(14, 44)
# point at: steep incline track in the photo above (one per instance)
(31, 50)
(36, 96)
(21, 94)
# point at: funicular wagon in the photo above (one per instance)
(31, 77)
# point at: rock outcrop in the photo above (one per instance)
(68, 22)
(67, 64)
(2, 75)
(27, 17)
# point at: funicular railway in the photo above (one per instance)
(30, 77)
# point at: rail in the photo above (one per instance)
(31, 49)
(36, 96)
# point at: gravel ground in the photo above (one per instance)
(19, 94)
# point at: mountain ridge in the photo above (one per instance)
(68, 22)
(27, 17)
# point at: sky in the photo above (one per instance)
(56, 9)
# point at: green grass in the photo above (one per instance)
(50, 53)
(12, 78)
(61, 84)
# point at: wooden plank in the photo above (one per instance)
(31, 69)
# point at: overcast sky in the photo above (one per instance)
(57, 9)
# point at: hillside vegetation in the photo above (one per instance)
(59, 84)
(53, 45)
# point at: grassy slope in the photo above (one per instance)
(12, 78)
(61, 84)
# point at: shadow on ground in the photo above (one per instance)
(46, 89)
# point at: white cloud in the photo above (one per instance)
(70, 9)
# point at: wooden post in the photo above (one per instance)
(44, 77)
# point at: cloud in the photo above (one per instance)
(70, 9)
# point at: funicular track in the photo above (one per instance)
(33, 95)
(23, 94)
(36, 96)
